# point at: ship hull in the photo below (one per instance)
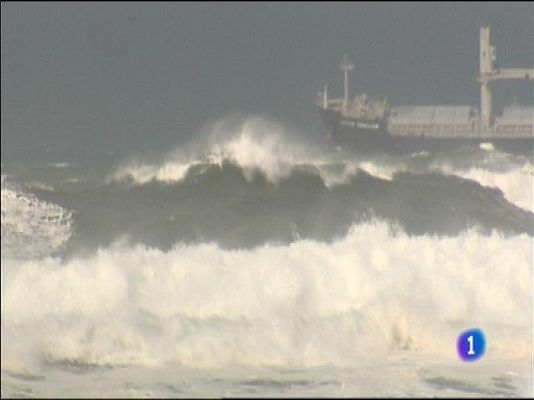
(373, 136)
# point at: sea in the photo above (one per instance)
(251, 261)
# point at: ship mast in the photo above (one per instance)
(488, 74)
(346, 66)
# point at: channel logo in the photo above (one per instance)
(471, 345)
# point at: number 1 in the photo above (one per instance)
(470, 340)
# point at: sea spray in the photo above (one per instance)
(307, 304)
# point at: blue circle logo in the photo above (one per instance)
(471, 344)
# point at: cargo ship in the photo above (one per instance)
(368, 125)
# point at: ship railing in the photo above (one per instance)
(520, 129)
(431, 128)
(513, 128)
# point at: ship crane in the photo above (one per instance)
(488, 73)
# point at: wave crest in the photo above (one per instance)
(309, 303)
(258, 144)
(251, 143)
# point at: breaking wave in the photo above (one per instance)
(253, 144)
(256, 144)
(516, 183)
(252, 248)
(376, 291)
(31, 227)
(219, 204)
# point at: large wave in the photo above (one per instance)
(258, 144)
(251, 182)
(251, 143)
(517, 183)
(374, 292)
(220, 204)
(255, 249)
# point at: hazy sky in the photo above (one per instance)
(85, 78)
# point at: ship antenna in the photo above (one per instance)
(346, 66)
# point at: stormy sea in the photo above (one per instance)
(252, 262)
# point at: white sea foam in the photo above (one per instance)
(516, 183)
(143, 173)
(260, 144)
(31, 227)
(40, 186)
(253, 144)
(487, 146)
(375, 292)
(60, 165)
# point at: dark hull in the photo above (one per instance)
(367, 136)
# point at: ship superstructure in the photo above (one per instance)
(366, 122)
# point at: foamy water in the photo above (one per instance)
(374, 311)
(516, 184)
(31, 227)
(189, 294)
(257, 144)
(371, 295)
